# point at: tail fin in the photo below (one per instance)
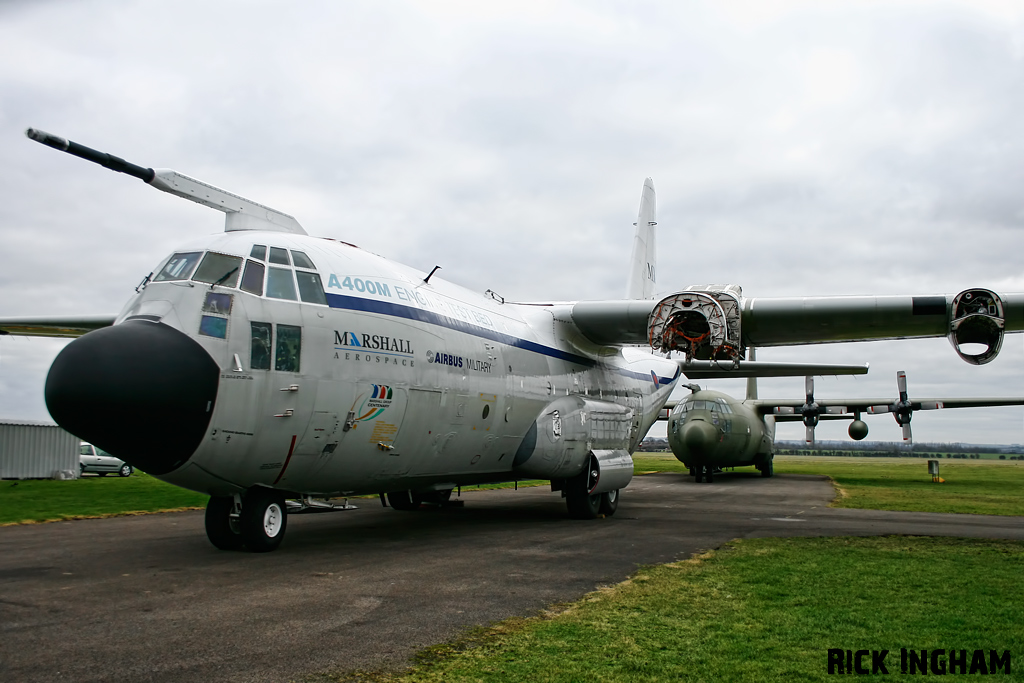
(644, 259)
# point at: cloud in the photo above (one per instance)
(797, 148)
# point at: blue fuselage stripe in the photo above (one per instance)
(353, 303)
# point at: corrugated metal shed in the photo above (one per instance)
(37, 450)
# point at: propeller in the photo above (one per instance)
(810, 410)
(903, 408)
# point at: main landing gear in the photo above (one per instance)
(256, 521)
(585, 505)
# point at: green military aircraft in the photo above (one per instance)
(710, 430)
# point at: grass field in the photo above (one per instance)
(971, 486)
(755, 610)
(41, 500)
(990, 487)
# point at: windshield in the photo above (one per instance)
(179, 267)
(218, 269)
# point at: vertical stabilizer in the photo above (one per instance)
(644, 260)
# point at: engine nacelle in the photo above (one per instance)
(977, 317)
(701, 322)
(568, 432)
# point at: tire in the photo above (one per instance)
(439, 498)
(693, 471)
(581, 504)
(767, 469)
(264, 520)
(222, 531)
(709, 473)
(404, 501)
(125, 471)
(609, 503)
(698, 473)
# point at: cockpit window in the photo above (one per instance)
(310, 288)
(259, 357)
(218, 269)
(252, 279)
(302, 261)
(179, 267)
(279, 255)
(280, 284)
(259, 251)
(289, 348)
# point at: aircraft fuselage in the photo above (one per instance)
(714, 430)
(335, 371)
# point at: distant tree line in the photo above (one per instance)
(882, 449)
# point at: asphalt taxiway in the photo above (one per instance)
(149, 599)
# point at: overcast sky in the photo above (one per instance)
(797, 148)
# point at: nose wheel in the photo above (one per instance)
(704, 473)
(260, 525)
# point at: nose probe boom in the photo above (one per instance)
(242, 213)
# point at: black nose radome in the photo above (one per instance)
(141, 391)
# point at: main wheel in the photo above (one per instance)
(437, 497)
(222, 531)
(767, 469)
(698, 473)
(581, 503)
(263, 520)
(125, 471)
(404, 500)
(609, 503)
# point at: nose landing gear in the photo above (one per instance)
(256, 521)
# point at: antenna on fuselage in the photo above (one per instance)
(242, 213)
(426, 280)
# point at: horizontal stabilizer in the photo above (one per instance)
(709, 369)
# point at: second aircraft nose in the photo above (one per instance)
(141, 391)
(700, 437)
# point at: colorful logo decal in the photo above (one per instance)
(654, 376)
(372, 406)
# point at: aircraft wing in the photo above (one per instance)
(717, 320)
(839, 407)
(69, 326)
(710, 369)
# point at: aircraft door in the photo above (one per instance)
(417, 442)
(288, 398)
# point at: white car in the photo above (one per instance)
(92, 459)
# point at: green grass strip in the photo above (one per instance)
(985, 487)
(42, 500)
(756, 610)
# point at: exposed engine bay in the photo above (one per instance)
(702, 322)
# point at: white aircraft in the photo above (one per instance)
(263, 365)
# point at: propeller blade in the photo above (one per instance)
(901, 384)
(932, 405)
(906, 432)
(809, 388)
(785, 410)
(810, 435)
